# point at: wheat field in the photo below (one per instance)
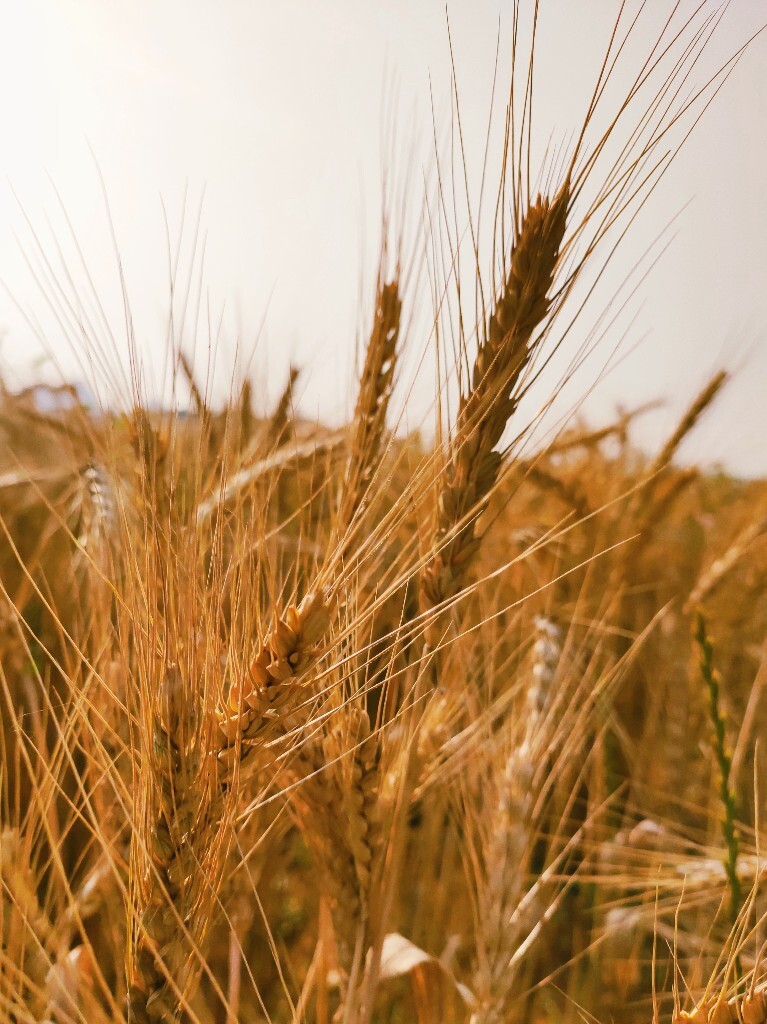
(380, 724)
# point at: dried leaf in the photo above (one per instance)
(400, 956)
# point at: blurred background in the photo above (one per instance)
(270, 126)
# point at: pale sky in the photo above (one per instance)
(274, 110)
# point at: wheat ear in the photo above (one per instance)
(353, 750)
(198, 399)
(279, 423)
(711, 577)
(316, 802)
(169, 890)
(474, 462)
(260, 702)
(566, 490)
(750, 1008)
(694, 412)
(26, 933)
(375, 388)
(504, 882)
(724, 763)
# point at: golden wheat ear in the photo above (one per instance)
(278, 427)
(687, 423)
(474, 462)
(159, 956)
(373, 395)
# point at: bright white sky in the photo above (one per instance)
(274, 109)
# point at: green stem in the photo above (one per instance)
(724, 761)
